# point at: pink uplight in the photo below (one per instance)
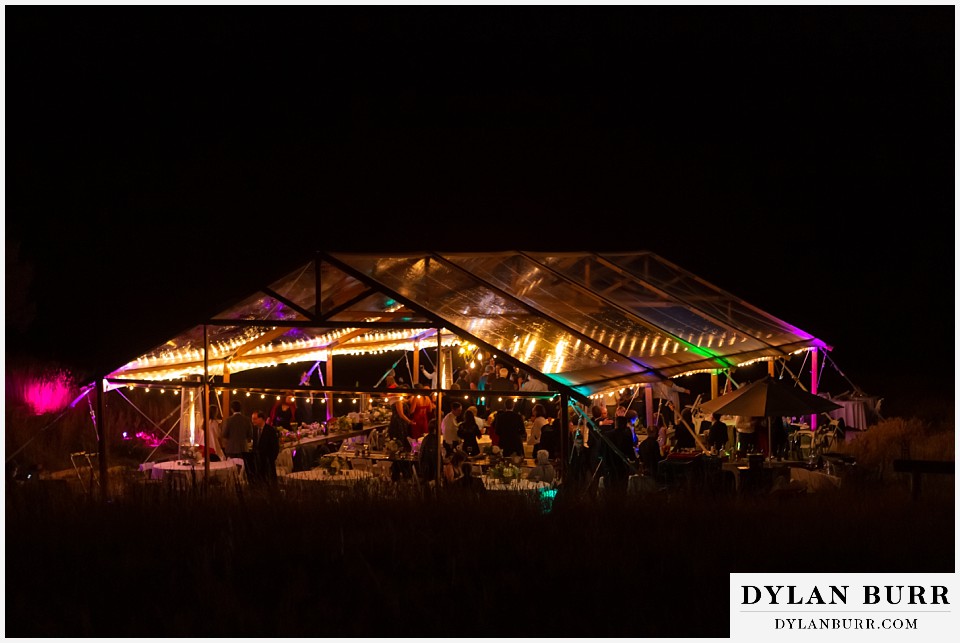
(151, 440)
(47, 393)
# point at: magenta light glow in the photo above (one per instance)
(151, 440)
(47, 393)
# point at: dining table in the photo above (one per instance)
(518, 484)
(304, 449)
(230, 470)
(321, 475)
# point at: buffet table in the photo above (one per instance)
(304, 449)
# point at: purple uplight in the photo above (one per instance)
(151, 440)
(47, 393)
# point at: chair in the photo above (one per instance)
(381, 470)
(284, 463)
(361, 464)
(825, 438)
(802, 443)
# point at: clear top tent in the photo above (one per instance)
(583, 322)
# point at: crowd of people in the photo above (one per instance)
(604, 448)
(254, 438)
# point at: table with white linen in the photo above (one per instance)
(322, 476)
(309, 444)
(227, 470)
(853, 412)
(516, 485)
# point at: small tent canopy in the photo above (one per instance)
(583, 322)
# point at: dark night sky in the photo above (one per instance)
(799, 157)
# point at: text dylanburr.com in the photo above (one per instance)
(844, 607)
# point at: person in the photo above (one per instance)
(663, 436)
(683, 432)
(717, 435)
(284, 413)
(449, 426)
(747, 434)
(452, 466)
(550, 438)
(398, 430)
(421, 408)
(216, 448)
(469, 432)
(778, 437)
(632, 419)
(467, 482)
(618, 466)
(427, 455)
(431, 375)
(266, 446)
(390, 381)
(463, 380)
(544, 470)
(486, 377)
(539, 414)
(399, 408)
(501, 383)
(649, 453)
(579, 462)
(481, 423)
(509, 427)
(591, 442)
(237, 431)
(531, 385)
(601, 416)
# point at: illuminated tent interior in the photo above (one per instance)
(585, 323)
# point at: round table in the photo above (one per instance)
(227, 469)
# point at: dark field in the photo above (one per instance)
(158, 563)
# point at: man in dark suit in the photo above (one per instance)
(501, 383)
(509, 427)
(649, 452)
(618, 466)
(266, 447)
(236, 431)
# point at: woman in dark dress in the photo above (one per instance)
(469, 433)
(284, 413)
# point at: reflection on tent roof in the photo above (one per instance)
(587, 322)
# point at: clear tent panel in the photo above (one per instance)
(263, 307)
(299, 287)
(183, 354)
(480, 310)
(703, 334)
(572, 303)
(711, 300)
(378, 307)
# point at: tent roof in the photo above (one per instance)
(585, 322)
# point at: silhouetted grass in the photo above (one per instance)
(306, 561)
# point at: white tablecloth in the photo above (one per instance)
(853, 412)
(228, 469)
(519, 485)
(347, 476)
